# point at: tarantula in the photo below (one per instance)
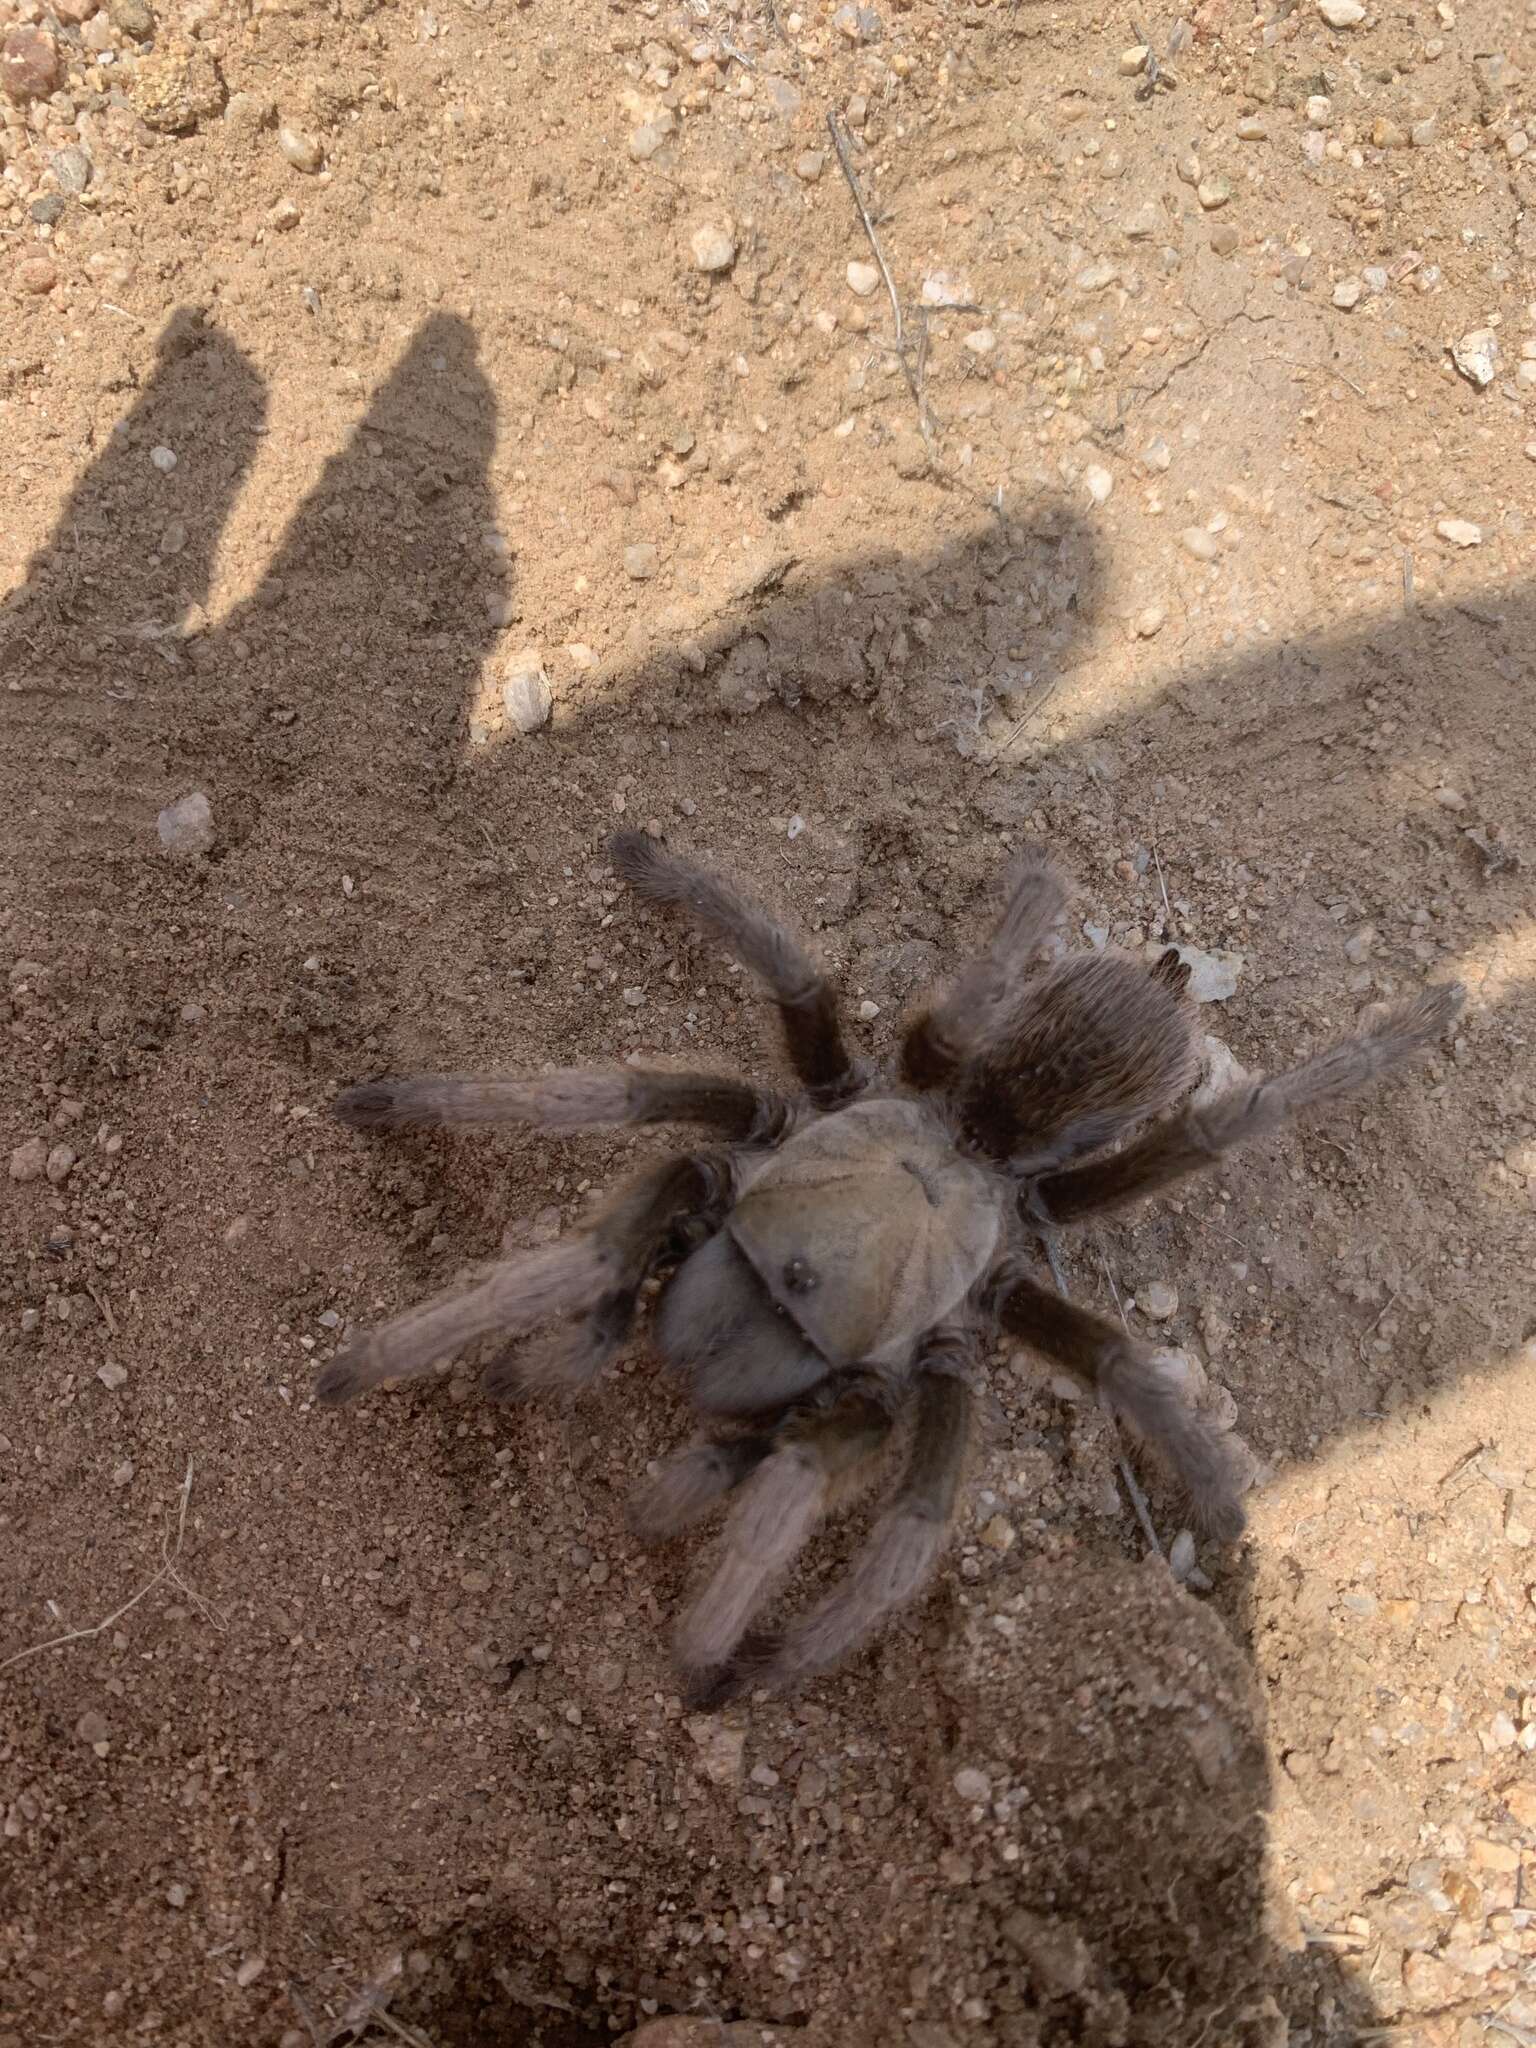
(838, 1259)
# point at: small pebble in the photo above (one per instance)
(1158, 1300)
(649, 137)
(869, 1010)
(1181, 1555)
(943, 288)
(1341, 13)
(1346, 293)
(863, 278)
(249, 1971)
(92, 1728)
(186, 826)
(35, 275)
(301, 149)
(999, 1534)
(634, 997)
(973, 1786)
(133, 17)
(981, 341)
(1319, 110)
(1251, 129)
(72, 169)
(1462, 533)
(112, 1376)
(640, 561)
(525, 691)
(29, 1161)
(61, 1163)
(164, 459)
(1150, 622)
(714, 248)
(1212, 976)
(1099, 482)
(1199, 543)
(1476, 356)
(809, 165)
(1224, 239)
(1213, 192)
(122, 1475)
(29, 64)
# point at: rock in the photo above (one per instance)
(112, 1376)
(1476, 356)
(61, 1163)
(1181, 1556)
(164, 459)
(1224, 239)
(721, 1748)
(72, 168)
(35, 275)
(1094, 277)
(1429, 1984)
(29, 64)
(981, 341)
(640, 561)
(714, 248)
(30, 1159)
(1158, 1300)
(1251, 129)
(132, 18)
(177, 86)
(650, 136)
(1199, 543)
(1461, 533)
(863, 278)
(186, 826)
(92, 1728)
(999, 1534)
(944, 288)
(1212, 976)
(1150, 622)
(1341, 13)
(1360, 945)
(1346, 293)
(1213, 192)
(1056, 1954)
(301, 149)
(809, 164)
(1134, 60)
(973, 1786)
(1387, 134)
(525, 692)
(1099, 482)
(249, 1971)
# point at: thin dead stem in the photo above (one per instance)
(170, 1551)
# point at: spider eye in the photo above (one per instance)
(800, 1277)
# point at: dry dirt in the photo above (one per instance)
(390, 1739)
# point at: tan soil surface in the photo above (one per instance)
(1210, 568)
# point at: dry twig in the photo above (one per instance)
(170, 1552)
(899, 344)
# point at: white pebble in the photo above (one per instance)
(714, 248)
(1133, 60)
(164, 459)
(863, 278)
(1150, 622)
(186, 826)
(1181, 1555)
(868, 1010)
(1212, 976)
(525, 691)
(1157, 1300)
(1099, 482)
(981, 341)
(973, 1786)
(1199, 543)
(301, 149)
(943, 288)
(1476, 356)
(111, 1375)
(1462, 533)
(1341, 13)
(1346, 293)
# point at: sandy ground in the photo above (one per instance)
(349, 354)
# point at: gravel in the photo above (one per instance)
(301, 149)
(1476, 356)
(1461, 533)
(863, 278)
(1341, 13)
